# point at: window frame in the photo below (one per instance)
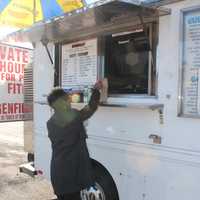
(101, 59)
(181, 69)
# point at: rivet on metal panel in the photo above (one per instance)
(143, 196)
(168, 96)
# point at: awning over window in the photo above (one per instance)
(101, 17)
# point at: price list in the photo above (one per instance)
(79, 64)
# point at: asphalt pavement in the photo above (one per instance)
(15, 185)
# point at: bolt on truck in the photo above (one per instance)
(144, 138)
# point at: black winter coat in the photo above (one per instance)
(71, 169)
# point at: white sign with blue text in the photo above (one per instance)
(191, 64)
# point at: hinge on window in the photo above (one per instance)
(160, 109)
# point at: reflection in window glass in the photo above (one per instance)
(127, 63)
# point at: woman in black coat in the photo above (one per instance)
(71, 169)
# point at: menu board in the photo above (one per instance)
(191, 64)
(79, 64)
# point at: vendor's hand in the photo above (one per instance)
(98, 85)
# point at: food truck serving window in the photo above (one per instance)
(128, 63)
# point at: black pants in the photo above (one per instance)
(71, 196)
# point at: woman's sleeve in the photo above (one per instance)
(92, 106)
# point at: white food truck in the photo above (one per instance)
(144, 140)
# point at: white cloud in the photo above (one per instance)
(5, 30)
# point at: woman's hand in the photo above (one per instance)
(98, 85)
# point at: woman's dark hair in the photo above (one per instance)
(55, 94)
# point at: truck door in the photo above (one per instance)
(43, 84)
